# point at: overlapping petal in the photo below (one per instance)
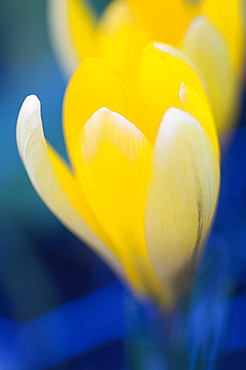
(169, 20)
(210, 32)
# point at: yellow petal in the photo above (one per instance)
(207, 47)
(181, 196)
(167, 20)
(94, 85)
(120, 39)
(162, 72)
(52, 179)
(82, 21)
(114, 160)
(71, 25)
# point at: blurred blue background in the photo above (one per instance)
(60, 307)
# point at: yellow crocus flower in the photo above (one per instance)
(210, 32)
(144, 177)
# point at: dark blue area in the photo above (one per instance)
(110, 355)
(233, 361)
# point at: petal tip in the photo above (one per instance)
(31, 101)
(101, 112)
(29, 105)
(177, 115)
(27, 122)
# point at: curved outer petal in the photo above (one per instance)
(113, 164)
(208, 48)
(71, 25)
(43, 165)
(181, 197)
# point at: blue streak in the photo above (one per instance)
(74, 328)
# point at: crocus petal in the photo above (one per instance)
(167, 20)
(52, 179)
(162, 71)
(71, 25)
(114, 160)
(181, 196)
(208, 48)
(94, 85)
(120, 38)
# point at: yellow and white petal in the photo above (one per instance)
(228, 16)
(95, 84)
(114, 162)
(162, 71)
(181, 197)
(71, 25)
(208, 48)
(52, 179)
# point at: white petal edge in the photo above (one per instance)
(182, 193)
(34, 154)
(61, 36)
